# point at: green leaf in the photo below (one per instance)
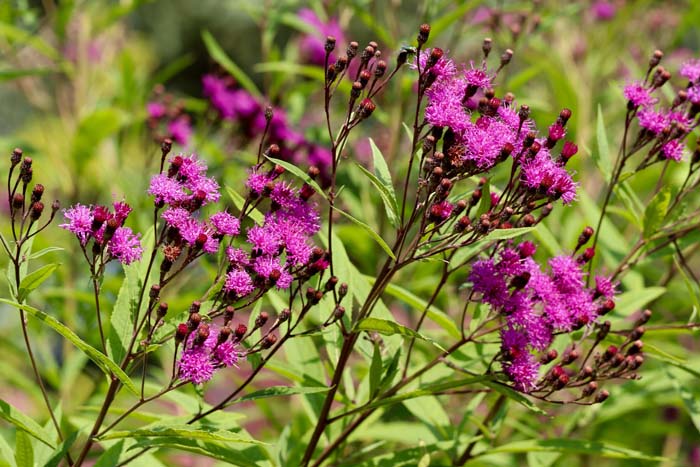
(485, 201)
(239, 202)
(377, 238)
(691, 401)
(7, 457)
(34, 280)
(184, 431)
(514, 395)
(634, 300)
(24, 453)
(220, 57)
(231, 455)
(299, 173)
(573, 446)
(24, 423)
(9, 75)
(381, 170)
(124, 313)
(375, 370)
(101, 360)
(656, 211)
(110, 457)
(602, 156)
(387, 196)
(43, 251)
(389, 328)
(91, 131)
(277, 391)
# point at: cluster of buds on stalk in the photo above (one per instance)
(25, 207)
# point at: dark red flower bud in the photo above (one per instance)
(607, 306)
(16, 156)
(181, 332)
(366, 108)
(329, 46)
(435, 55)
(269, 341)
(486, 46)
(423, 34)
(602, 395)
(162, 310)
(589, 389)
(241, 330)
(284, 315)
(643, 318)
(261, 319)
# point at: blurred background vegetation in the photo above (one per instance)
(76, 78)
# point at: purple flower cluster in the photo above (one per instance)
(183, 190)
(239, 105)
(480, 141)
(665, 127)
(280, 247)
(168, 120)
(106, 229)
(537, 303)
(205, 350)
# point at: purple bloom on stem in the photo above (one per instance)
(257, 180)
(691, 70)
(196, 365)
(604, 287)
(237, 256)
(673, 150)
(176, 217)
(566, 273)
(226, 353)
(638, 95)
(477, 77)
(166, 189)
(125, 246)
(225, 223)
(180, 130)
(651, 120)
(239, 282)
(444, 68)
(488, 281)
(445, 107)
(80, 222)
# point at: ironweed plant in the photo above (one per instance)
(465, 206)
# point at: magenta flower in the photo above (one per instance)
(312, 45)
(155, 110)
(638, 95)
(691, 70)
(238, 282)
(180, 130)
(673, 150)
(199, 359)
(125, 246)
(225, 224)
(603, 10)
(80, 224)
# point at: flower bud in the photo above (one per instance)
(603, 330)
(224, 334)
(194, 320)
(36, 210)
(228, 315)
(589, 389)
(655, 58)
(181, 332)
(586, 235)
(18, 201)
(241, 330)
(338, 312)
(607, 306)
(423, 34)
(602, 395)
(269, 341)
(284, 315)
(342, 290)
(154, 292)
(548, 357)
(162, 310)
(329, 46)
(486, 46)
(37, 192)
(165, 146)
(366, 108)
(16, 156)
(331, 283)
(203, 332)
(643, 318)
(261, 319)
(351, 51)
(635, 348)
